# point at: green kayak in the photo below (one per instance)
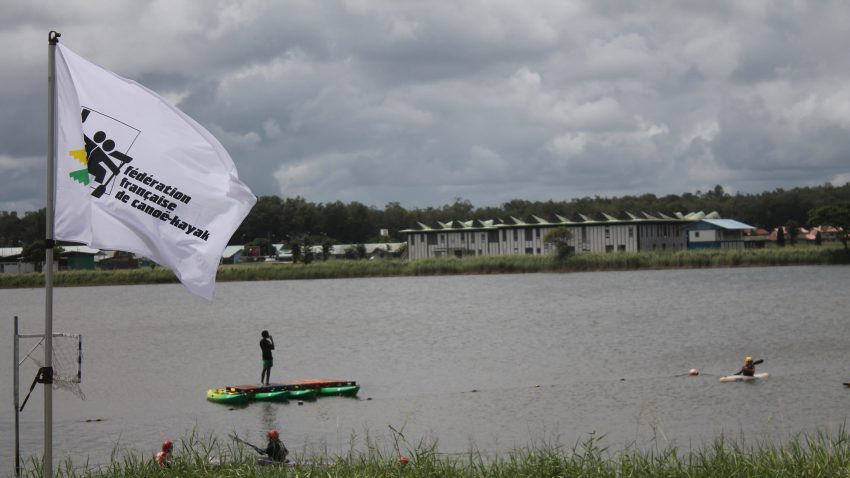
(345, 390)
(303, 393)
(221, 395)
(271, 395)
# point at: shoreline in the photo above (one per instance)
(338, 269)
(816, 454)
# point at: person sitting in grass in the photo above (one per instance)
(163, 457)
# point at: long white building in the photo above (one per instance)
(605, 233)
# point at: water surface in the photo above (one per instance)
(492, 362)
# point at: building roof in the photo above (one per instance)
(371, 248)
(80, 249)
(730, 224)
(231, 251)
(577, 219)
(10, 251)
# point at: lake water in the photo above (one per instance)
(491, 362)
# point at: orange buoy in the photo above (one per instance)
(693, 372)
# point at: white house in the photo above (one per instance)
(717, 234)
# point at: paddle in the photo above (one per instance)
(259, 450)
(255, 447)
(754, 363)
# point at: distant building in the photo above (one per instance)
(70, 258)
(10, 254)
(717, 234)
(236, 254)
(77, 258)
(828, 233)
(232, 254)
(600, 233)
(373, 250)
(10, 267)
(118, 260)
(9, 260)
(756, 238)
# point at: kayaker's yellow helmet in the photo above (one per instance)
(748, 359)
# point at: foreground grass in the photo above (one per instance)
(336, 269)
(817, 455)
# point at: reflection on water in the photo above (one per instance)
(493, 362)
(268, 415)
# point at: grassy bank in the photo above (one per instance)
(806, 456)
(335, 269)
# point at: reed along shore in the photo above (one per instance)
(816, 455)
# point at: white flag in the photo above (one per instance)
(136, 174)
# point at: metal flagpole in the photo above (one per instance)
(16, 395)
(47, 377)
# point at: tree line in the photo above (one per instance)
(286, 220)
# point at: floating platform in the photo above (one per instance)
(283, 391)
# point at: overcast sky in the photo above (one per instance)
(421, 102)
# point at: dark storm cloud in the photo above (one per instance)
(422, 102)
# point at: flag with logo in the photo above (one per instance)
(135, 174)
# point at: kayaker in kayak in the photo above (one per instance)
(274, 453)
(266, 346)
(163, 456)
(749, 368)
(275, 450)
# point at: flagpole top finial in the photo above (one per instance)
(53, 37)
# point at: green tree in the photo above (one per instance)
(361, 251)
(351, 252)
(307, 255)
(10, 229)
(334, 219)
(460, 210)
(793, 231)
(295, 247)
(263, 219)
(299, 217)
(836, 215)
(327, 245)
(360, 224)
(34, 226)
(354, 223)
(35, 252)
(780, 237)
(560, 237)
(396, 218)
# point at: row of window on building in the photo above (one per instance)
(621, 236)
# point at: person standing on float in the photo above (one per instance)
(266, 346)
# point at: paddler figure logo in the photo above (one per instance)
(107, 143)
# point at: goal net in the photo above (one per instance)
(67, 359)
